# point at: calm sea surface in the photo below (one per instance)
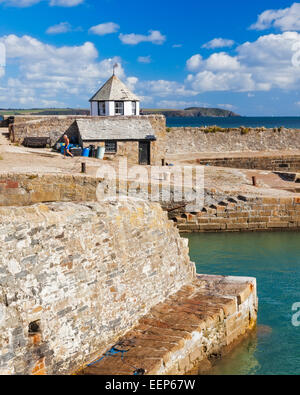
(274, 259)
(235, 122)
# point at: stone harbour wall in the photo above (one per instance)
(158, 147)
(241, 213)
(75, 277)
(288, 163)
(53, 127)
(26, 189)
(188, 140)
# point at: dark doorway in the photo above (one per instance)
(144, 153)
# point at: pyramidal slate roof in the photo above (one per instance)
(115, 128)
(114, 90)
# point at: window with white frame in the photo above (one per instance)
(134, 108)
(101, 108)
(119, 108)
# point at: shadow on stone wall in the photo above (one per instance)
(73, 134)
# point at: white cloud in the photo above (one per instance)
(2, 55)
(146, 99)
(206, 81)
(164, 88)
(104, 28)
(217, 61)
(230, 107)
(270, 59)
(269, 62)
(218, 43)
(194, 63)
(180, 104)
(48, 72)
(19, 3)
(65, 3)
(29, 3)
(154, 36)
(144, 59)
(222, 61)
(131, 82)
(63, 27)
(283, 19)
(2, 59)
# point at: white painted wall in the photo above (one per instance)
(137, 108)
(110, 108)
(127, 108)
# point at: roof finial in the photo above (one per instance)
(115, 67)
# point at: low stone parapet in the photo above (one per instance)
(288, 162)
(215, 139)
(27, 189)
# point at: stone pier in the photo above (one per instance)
(186, 332)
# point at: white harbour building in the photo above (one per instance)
(114, 99)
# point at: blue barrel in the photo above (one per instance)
(100, 152)
(86, 152)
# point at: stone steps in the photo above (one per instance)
(241, 213)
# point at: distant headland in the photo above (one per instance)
(192, 112)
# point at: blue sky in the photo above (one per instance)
(238, 55)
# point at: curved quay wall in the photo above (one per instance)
(75, 278)
(84, 274)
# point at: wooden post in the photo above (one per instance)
(254, 181)
(83, 167)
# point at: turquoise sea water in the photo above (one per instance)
(274, 259)
(235, 122)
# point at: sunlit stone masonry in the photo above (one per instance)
(75, 278)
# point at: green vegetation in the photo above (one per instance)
(244, 130)
(155, 110)
(213, 129)
(45, 111)
(278, 129)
